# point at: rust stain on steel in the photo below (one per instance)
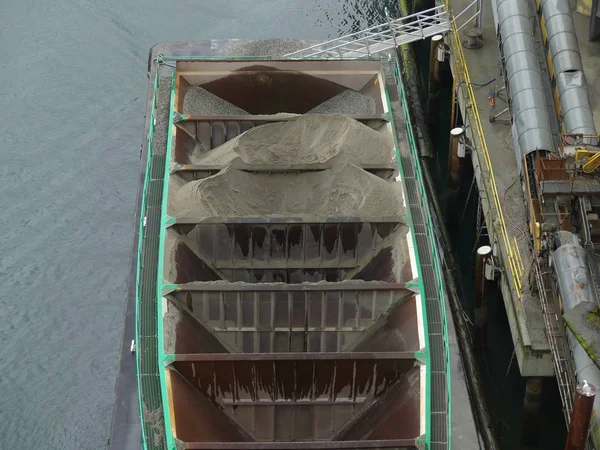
(580, 418)
(267, 90)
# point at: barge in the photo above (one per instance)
(287, 288)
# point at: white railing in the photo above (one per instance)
(379, 38)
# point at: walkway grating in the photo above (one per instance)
(151, 407)
(429, 264)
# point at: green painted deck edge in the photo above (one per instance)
(139, 257)
(425, 351)
(435, 261)
(159, 276)
(163, 358)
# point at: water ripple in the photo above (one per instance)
(71, 72)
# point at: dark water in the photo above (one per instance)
(504, 388)
(72, 92)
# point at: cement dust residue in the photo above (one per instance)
(184, 262)
(400, 259)
(309, 139)
(171, 318)
(342, 191)
(154, 420)
(172, 241)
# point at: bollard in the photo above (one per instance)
(581, 415)
(530, 422)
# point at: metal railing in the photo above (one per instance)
(477, 15)
(555, 331)
(514, 263)
(430, 274)
(381, 37)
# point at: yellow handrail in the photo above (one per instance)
(514, 261)
(592, 164)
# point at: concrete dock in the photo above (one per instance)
(497, 172)
(500, 188)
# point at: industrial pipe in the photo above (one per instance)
(530, 116)
(573, 98)
(574, 285)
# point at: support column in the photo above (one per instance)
(433, 85)
(580, 417)
(594, 33)
(482, 259)
(530, 431)
(457, 152)
(455, 155)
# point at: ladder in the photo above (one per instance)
(379, 38)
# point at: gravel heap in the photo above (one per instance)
(309, 139)
(201, 102)
(347, 102)
(163, 104)
(268, 47)
(566, 237)
(341, 191)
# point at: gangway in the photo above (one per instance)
(386, 36)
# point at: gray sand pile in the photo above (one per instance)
(201, 102)
(344, 190)
(309, 139)
(347, 102)
(268, 47)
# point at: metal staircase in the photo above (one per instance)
(379, 38)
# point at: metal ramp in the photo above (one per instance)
(379, 38)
